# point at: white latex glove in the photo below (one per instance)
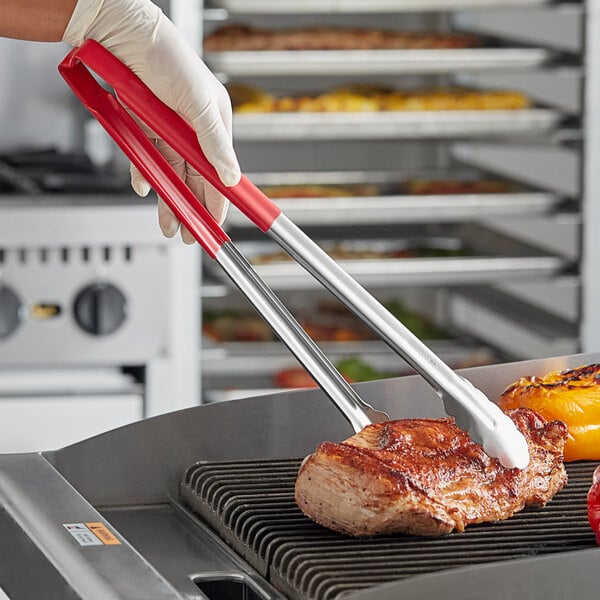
(139, 34)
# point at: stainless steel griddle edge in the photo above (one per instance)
(39, 508)
(127, 477)
(561, 576)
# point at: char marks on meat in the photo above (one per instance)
(426, 477)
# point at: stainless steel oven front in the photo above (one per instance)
(95, 305)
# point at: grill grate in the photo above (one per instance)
(251, 506)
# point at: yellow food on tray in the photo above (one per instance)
(358, 98)
(572, 396)
(246, 98)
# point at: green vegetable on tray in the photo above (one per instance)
(415, 323)
(356, 369)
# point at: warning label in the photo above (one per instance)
(91, 534)
(103, 534)
(82, 534)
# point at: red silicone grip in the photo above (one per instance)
(172, 128)
(142, 152)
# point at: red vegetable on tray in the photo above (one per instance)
(593, 503)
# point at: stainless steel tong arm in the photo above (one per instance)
(472, 410)
(268, 305)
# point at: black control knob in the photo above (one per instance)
(10, 311)
(100, 308)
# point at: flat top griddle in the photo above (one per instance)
(250, 504)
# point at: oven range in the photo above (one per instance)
(88, 290)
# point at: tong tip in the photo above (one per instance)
(507, 444)
(489, 426)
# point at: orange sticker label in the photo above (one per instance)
(103, 534)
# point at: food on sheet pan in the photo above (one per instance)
(295, 378)
(231, 326)
(236, 38)
(593, 504)
(341, 251)
(337, 252)
(251, 97)
(426, 477)
(361, 98)
(298, 378)
(338, 314)
(353, 370)
(336, 331)
(325, 322)
(413, 187)
(423, 328)
(448, 186)
(572, 396)
(227, 326)
(276, 192)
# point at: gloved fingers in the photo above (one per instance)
(182, 80)
(172, 157)
(195, 182)
(169, 224)
(167, 220)
(186, 236)
(205, 192)
(140, 186)
(224, 104)
(215, 140)
(215, 202)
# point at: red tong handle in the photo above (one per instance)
(172, 128)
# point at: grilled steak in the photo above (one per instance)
(426, 477)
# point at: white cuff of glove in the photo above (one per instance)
(138, 33)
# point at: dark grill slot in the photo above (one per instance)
(251, 506)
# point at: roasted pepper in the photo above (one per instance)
(593, 504)
(572, 396)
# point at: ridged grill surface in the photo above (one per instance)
(251, 506)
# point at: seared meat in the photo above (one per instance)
(426, 477)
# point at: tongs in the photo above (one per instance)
(472, 410)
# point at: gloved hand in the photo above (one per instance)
(139, 34)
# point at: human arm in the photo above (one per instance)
(35, 20)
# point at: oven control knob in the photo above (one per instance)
(10, 311)
(100, 309)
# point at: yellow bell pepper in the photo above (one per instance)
(572, 396)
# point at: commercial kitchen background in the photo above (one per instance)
(101, 318)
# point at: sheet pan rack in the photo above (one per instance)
(394, 124)
(360, 6)
(373, 62)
